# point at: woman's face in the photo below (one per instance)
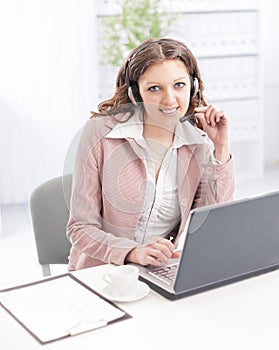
(165, 91)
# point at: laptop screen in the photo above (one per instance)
(230, 240)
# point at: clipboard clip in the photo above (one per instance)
(83, 326)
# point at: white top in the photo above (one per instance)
(161, 211)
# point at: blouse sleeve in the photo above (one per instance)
(217, 183)
(84, 230)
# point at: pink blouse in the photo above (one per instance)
(109, 187)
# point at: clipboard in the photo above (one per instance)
(58, 307)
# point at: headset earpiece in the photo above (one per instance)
(133, 90)
(133, 93)
(194, 87)
(131, 96)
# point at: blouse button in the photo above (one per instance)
(184, 202)
(209, 170)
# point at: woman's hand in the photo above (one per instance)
(216, 125)
(155, 253)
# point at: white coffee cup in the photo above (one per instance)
(123, 279)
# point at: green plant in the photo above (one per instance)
(138, 21)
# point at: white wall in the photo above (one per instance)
(270, 58)
(48, 70)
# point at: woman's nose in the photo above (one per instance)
(168, 98)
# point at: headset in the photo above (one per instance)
(133, 90)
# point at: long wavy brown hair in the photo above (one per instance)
(150, 52)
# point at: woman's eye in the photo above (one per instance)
(179, 85)
(154, 88)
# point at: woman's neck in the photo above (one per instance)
(158, 133)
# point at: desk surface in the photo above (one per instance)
(241, 315)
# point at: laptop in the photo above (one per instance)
(223, 244)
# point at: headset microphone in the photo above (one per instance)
(187, 117)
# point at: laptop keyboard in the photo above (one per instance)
(165, 274)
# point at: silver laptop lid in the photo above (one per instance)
(230, 240)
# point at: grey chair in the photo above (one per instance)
(49, 204)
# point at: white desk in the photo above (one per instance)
(243, 315)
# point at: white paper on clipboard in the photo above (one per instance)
(58, 307)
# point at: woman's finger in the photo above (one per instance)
(150, 260)
(202, 119)
(212, 114)
(163, 249)
(155, 253)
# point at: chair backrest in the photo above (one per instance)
(49, 207)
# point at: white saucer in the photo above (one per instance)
(141, 291)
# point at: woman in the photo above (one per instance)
(153, 152)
